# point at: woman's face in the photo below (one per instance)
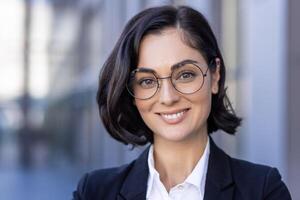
(173, 116)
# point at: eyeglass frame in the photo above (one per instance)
(177, 65)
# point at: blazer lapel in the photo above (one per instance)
(219, 183)
(135, 184)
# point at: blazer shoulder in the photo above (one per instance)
(248, 169)
(262, 180)
(96, 184)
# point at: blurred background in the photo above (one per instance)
(52, 51)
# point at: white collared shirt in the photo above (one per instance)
(191, 189)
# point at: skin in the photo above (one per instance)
(180, 143)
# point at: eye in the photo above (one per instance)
(185, 76)
(147, 83)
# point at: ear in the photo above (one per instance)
(215, 77)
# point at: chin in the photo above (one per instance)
(172, 135)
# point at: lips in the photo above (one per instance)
(173, 117)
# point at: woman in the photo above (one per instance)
(164, 83)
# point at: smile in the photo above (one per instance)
(174, 118)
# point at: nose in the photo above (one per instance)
(167, 94)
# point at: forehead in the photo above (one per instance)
(160, 51)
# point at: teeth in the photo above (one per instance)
(173, 116)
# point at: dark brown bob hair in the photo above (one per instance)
(117, 111)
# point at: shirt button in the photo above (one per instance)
(180, 187)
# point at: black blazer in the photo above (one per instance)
(227, 178)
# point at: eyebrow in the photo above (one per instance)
(173, 67)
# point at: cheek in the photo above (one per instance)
(202, 103)
(144, 107)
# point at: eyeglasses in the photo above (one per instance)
(187, 78)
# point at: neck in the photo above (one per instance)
(176, 160)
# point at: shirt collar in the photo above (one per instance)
(197, 176)
(152, 171)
